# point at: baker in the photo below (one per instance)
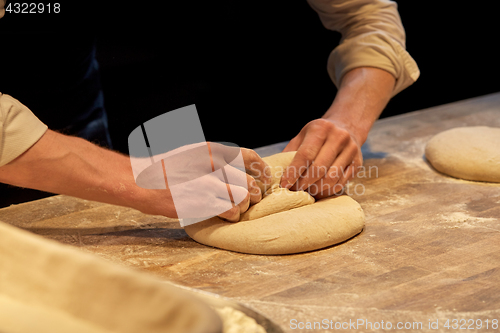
(369, 67)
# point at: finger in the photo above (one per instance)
(339, 187)
(244, 204)
(205, 197)
(253, 190)
(234, 160)
(348, 174)
(336, 178)
(255, 166)
(338, 170)
(232, 176)
(239, 196)
(338, 174)
(236, 177)
(325, 189)
(212, 185)
(233, 214)
(322, 163)
(304, 157)
(225, 153)
(235, 189)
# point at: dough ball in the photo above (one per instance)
(471, 153)
(284, 221)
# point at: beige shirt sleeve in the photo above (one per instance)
(19, 128)
(372, 36)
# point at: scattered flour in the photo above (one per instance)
(461, 219)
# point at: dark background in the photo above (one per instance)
(263, 65)
(255, 70)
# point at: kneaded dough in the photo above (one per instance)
(234, 321)
(471, 153)
(284, 221)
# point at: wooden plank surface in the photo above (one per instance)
(430, 249)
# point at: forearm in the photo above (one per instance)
(363, 94)
(68, 165)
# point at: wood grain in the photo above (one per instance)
(430, 249)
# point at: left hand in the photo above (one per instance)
(329, 148)
(328, 155)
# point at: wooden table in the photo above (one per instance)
(430, 249)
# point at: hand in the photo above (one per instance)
(73, 166)
(205, 179)
(256, 169)
(328, 155)
(329, 149)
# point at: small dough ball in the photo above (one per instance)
(471, 153)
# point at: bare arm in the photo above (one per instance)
(363, 95)
(369, 66)
(73, 166)
(68, 165)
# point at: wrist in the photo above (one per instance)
(358, 131)
(344, 117)
(363, 94)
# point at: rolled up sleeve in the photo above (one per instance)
(372, 36)
(19, 128)
(2, 8)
